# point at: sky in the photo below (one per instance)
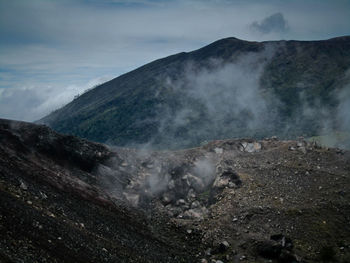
(53, 50)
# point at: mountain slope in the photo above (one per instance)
(64, 199)
(230, 88)
(53, 207)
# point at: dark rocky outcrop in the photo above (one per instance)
(54, 209)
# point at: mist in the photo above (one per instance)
(224, 99)
(216, 99)
(140, 175)
(343, 116)
(32, 102)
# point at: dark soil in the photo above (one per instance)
(63, 199)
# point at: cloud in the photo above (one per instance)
(273, 23)
(29, 103)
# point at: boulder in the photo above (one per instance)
(250, 147)
(196, 182)
(193, 214)
(228, 178)
(218, 150)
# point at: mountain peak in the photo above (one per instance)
(230, 88)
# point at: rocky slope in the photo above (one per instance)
(228, 89)
(53, 209)
(64, 199)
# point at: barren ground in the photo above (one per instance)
(64, 199)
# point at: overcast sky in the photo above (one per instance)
(51, 51)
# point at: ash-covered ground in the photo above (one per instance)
(64, 199)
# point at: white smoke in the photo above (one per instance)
(216, 97)
(204, 168)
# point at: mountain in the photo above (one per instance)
(65, 199)
(54, 208)
(228, 89)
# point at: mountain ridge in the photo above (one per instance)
(129, 109)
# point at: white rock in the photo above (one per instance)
(252, 147)
(218, 150)
(196, 182)
(195, 204)
(43, 195)
(193, 213)
(23, 186)
(231, 185)
(124, 164)
(181, 202)
(166, 199)
(225, 244)
(302, 149)
(132, 198)
(191, 194)
(185, 180)
(221, 182)
(171, 184)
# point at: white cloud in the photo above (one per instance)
(30, 103)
